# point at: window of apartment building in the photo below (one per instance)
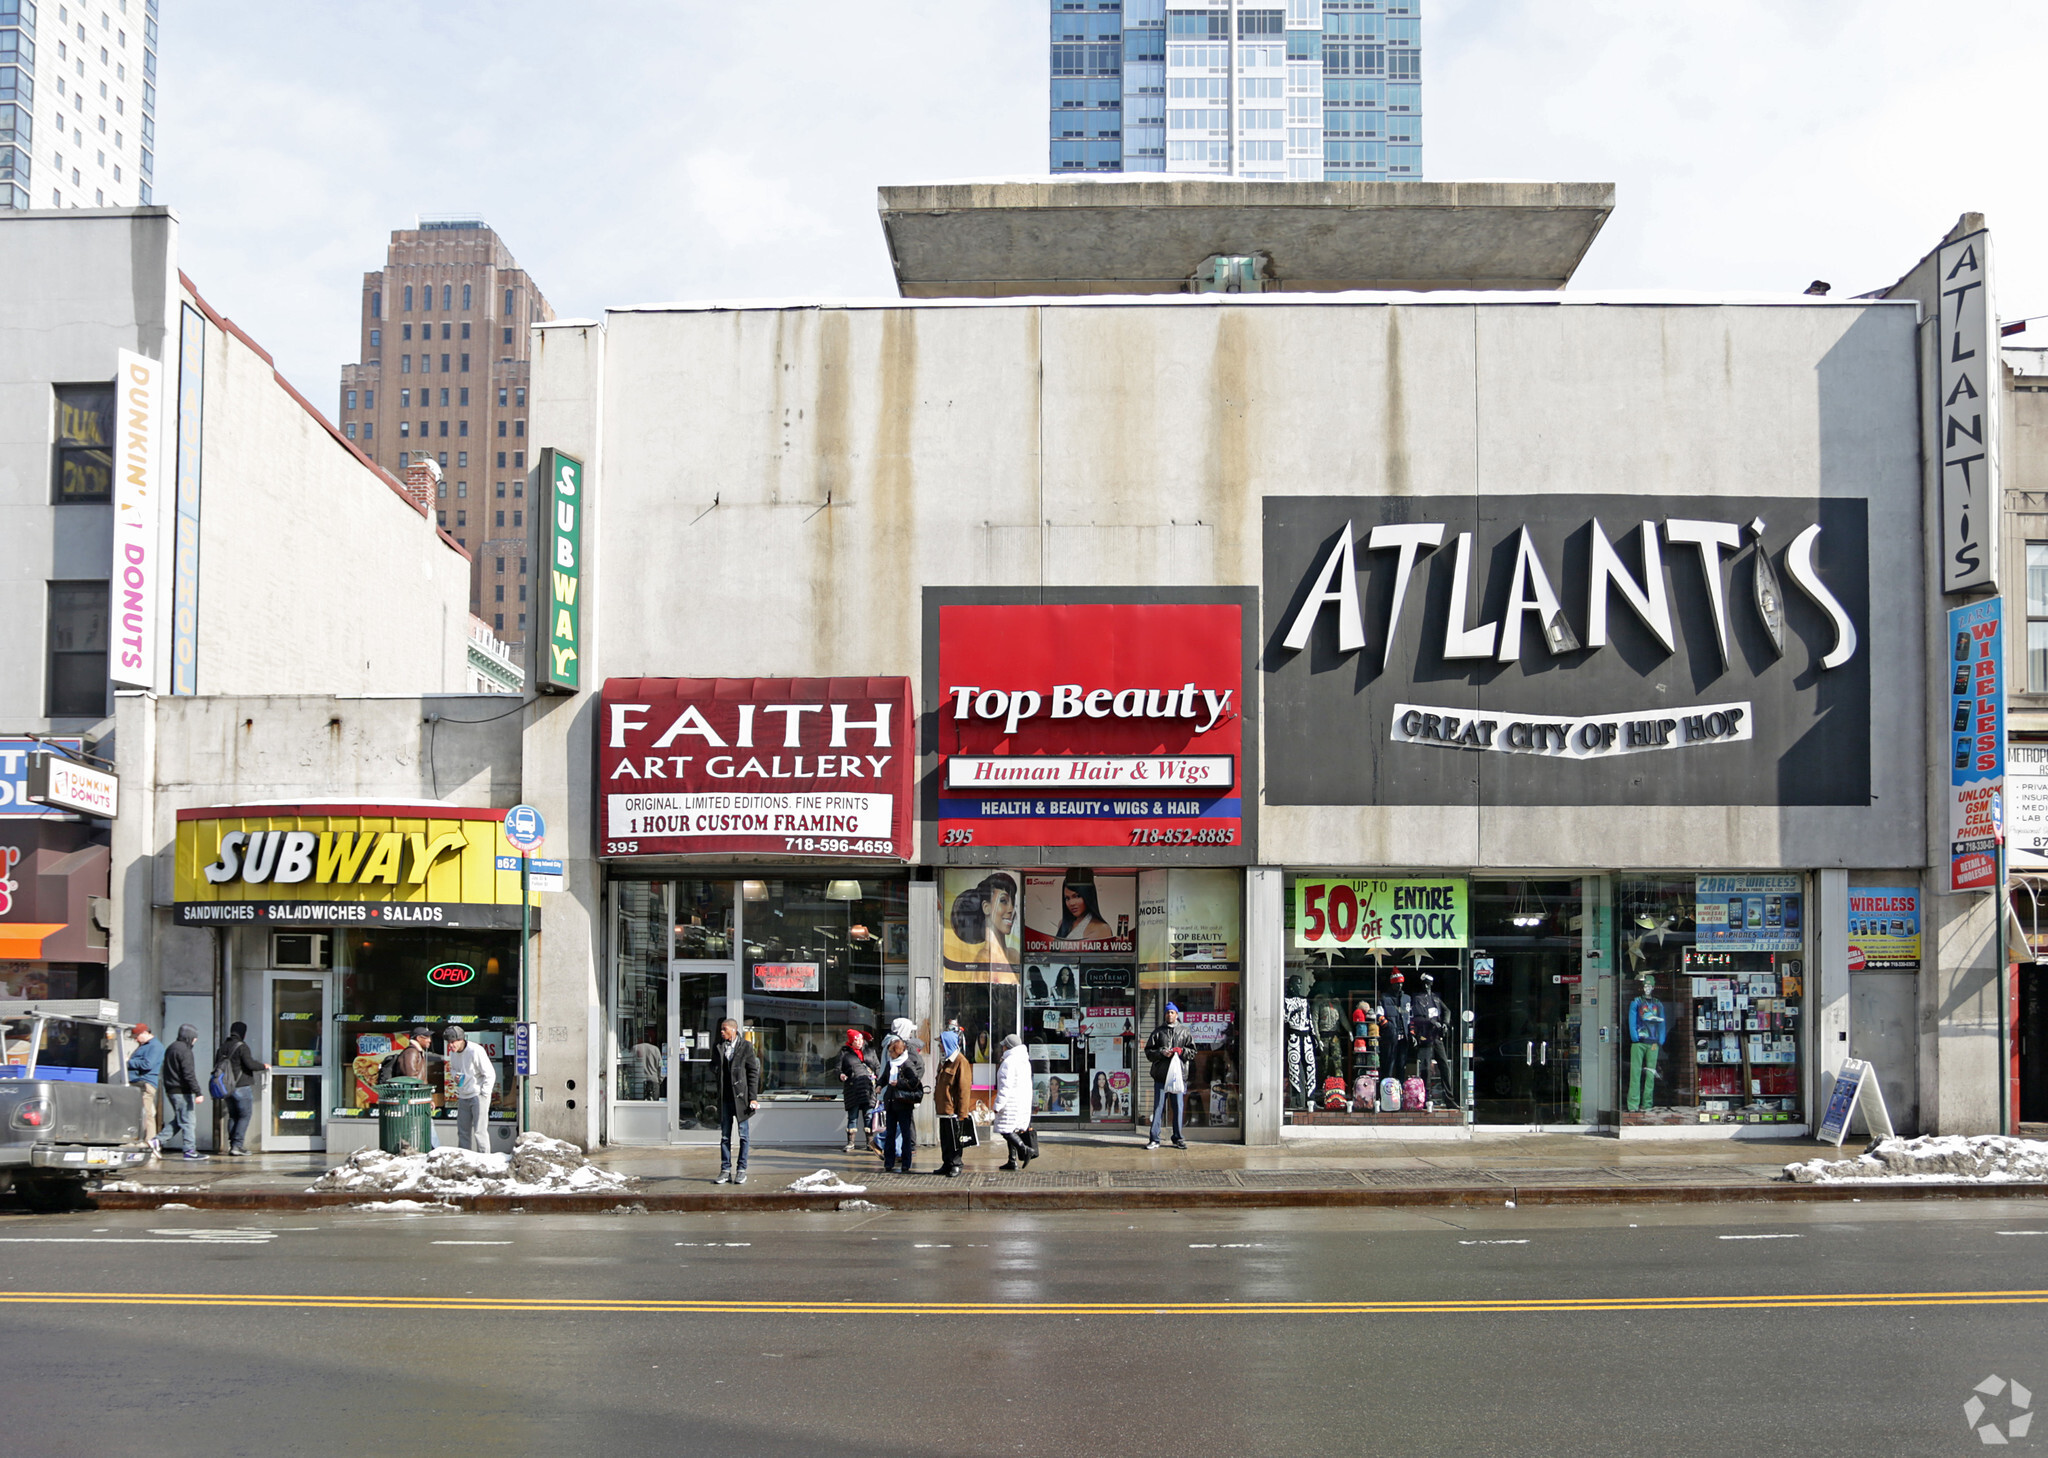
(522, 566)
(522, 622)
(465, 329)
(2037, 617)
(501, 522)
(462, 488)
(508, 301)
(462, 429)
(408, 298)
(447, 296)
(444, 430)
(501, 460)
(519, 428)
(519, 518)
(465, 364)
(465, 304)
(369, 429)
(499, 568)
(519, 397)
(426, 364)
(444, 364)
(440, 518)
(403, 458)
(508, 329)
(85, 434)
(441, 490)
(461, 517)
(522, 592)
(519, 458)
(447, 331)
(376, 339)
(501, 429)
(498, 621)
(518, 488)
(502, 393)
(377, 305)
(77, 675)
(405, 332)
(499, 590)
(351, 429)
(351, 399)
(501, 497)
(405, 430)
(369, 399)
(405, 397)
(464, 396)
(405, 364)
(444, 397)
(462, 457)
(442, 459)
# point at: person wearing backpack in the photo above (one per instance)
(234, 1083)
(182, 1090)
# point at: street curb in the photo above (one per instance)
(998, 1201)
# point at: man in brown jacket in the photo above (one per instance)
(952, 1100)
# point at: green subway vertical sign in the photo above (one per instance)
(562, 672)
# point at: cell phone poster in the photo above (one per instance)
(1976, 742)
(1750, 913)
(1884, 928)
(1079, 913)
(983, 929)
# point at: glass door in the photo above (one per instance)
(295, 1022)
(1527, 1014)
(698, 996)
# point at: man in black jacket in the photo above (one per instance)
(182, 1090)
(739, 1094)
(1171, 1043)
(241, 1067)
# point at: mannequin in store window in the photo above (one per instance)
(1328, 1019)
(1429, 1021)
(1395, 1011)
(1645, 1038)
(1301, 1044)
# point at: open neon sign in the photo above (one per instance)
(452, 974)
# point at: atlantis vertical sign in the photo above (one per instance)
(1976, 742)
(561, 668)
(1966, 423)
(135, 577)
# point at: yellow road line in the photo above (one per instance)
(1551, 1306)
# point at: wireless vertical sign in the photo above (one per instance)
(561, 671)
(1976, 742)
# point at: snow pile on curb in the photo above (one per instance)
(1986, 1158)
(825, 1182)
(408, 1207)
(537, 1165)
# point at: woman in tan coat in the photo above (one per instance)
(952, 1100)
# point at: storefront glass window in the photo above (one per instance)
(640, 1004)
(1080, 1018)
(822, 954)
(1711, 999)
(1190, 950)
(395, 980)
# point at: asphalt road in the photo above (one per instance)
(1734, 1332)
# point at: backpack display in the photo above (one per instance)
(1334, 1098)
(1413, 1097)
(1363, 1094)
(1390, 1095)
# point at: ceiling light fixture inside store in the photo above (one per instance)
(754, 890)
(842, 891)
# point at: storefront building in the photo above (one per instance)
(1480, 711)
(53, 886)
(345, 927)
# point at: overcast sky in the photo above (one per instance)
(630, 151)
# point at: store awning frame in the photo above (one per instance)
(22, 941)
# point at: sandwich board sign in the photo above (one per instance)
(1855, 1085)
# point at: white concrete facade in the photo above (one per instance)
(818, 467)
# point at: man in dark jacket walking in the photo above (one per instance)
(1170, 1049)
(739, 1094)
(240, 1066)
(182, 1090)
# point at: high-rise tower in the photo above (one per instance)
(1269, 90)
(77, 103)
(446, 351)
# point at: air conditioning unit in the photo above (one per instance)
(293, 951)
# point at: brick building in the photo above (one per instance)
(445, 355)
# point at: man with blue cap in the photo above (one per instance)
(1170, 1049)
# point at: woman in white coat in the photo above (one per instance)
(1013, 1103)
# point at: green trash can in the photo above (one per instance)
(405, 1115)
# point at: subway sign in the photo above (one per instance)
(340, 865)
(561, 668)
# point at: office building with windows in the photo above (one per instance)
(1266, 90)
(77, 103)
(442, 376)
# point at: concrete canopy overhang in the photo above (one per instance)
(1134, 236)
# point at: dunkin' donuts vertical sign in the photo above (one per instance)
(1070, 724)
(781, 766)
(137, 571)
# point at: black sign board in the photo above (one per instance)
(1454, 650)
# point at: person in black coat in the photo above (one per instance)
(183, 1090)
(241, 1066)
(858, 1076)
(1172, 1041)
(739, 1094)
(902, 1092)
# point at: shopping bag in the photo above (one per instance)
(964, 1133)
(1176, 1080)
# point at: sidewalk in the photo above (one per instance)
(1096, 1172)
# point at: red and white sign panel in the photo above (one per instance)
(778, 766)
(785, 977)
(1076, 724)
